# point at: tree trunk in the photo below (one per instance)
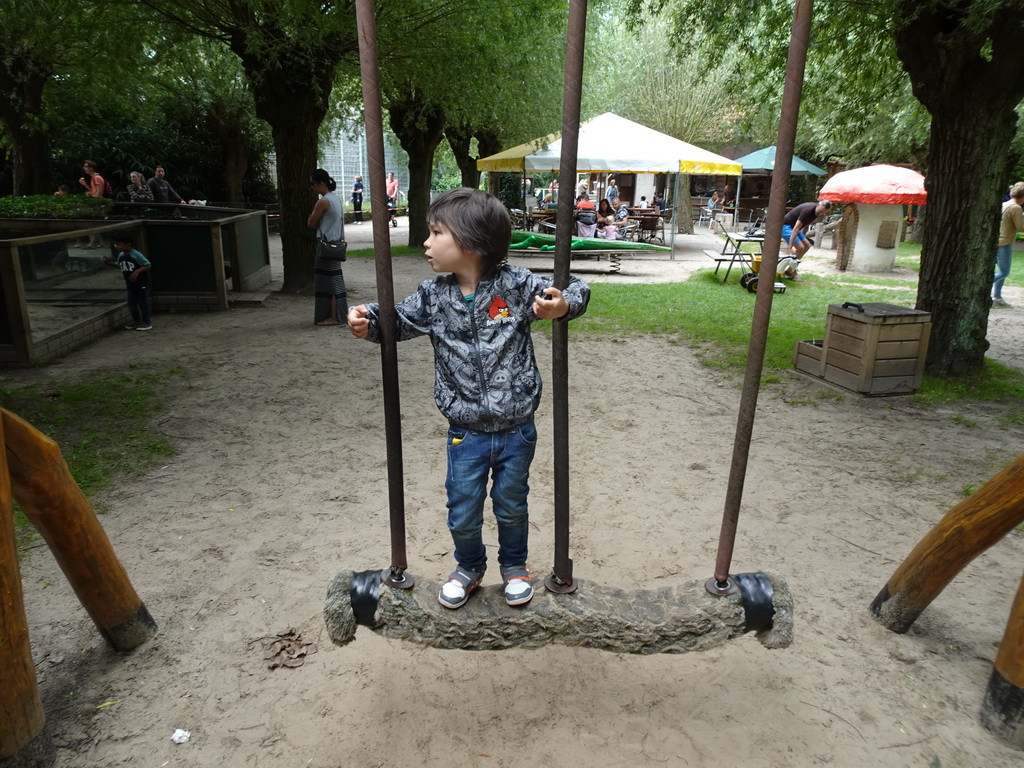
(488, 143)
(461, 141)
(236, 163)
(970, 80)
(21, 112)
(292, 93)
(966, 166)
(419, 129)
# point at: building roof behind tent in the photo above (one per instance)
(610, 143)
(762, 161)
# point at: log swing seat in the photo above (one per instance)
(689, 617)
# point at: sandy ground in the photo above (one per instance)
(279, 481)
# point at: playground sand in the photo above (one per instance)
(279, 481)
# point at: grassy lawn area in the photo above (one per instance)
(103, 427)
(715, 319)
(909, 256)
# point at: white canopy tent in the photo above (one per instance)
(612, 144)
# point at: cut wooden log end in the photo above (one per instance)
(673, 619)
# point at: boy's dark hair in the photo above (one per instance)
(122, 236)
(478, 222)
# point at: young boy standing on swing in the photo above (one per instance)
(478, 314)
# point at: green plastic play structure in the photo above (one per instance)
(522, 241)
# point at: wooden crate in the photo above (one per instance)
(807, 356)
(876, 348)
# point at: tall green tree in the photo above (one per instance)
(966, 68)
(293, 52)
(290, 51)
(41, 40)
(678, 91)
(506, 91)
(207, 80)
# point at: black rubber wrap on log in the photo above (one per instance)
(757, 593)
(365, 593)
(674, 619)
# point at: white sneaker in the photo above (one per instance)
(144, 328)
(518, 584)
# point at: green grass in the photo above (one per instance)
(397, 251)
(715, 320)
(717, 317)
(909, 256)
(102, 425)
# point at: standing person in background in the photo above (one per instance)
(392, 192)
(137, 279)
(95, 184)
(1010, 223)
(163, 192)
(94, 187)
(138, 189)
(331, 304)
(613, 189)
(357, 199)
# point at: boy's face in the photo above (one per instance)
(443, 252)
(122, 247)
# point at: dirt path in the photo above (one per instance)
(279, 481)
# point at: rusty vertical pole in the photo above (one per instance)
(560, 579)
(367, 30)
(801, 32)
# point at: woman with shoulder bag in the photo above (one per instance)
(331, 305)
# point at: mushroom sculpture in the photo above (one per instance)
(874, 196)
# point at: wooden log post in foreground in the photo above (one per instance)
(967, 530)
(21, 709)
(56, 506)
(1002, 712)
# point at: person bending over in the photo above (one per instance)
(794, 231)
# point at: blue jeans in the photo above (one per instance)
(138, 300)
(505, 456)
(1004, 257)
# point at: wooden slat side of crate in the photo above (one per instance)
(807, 357)
(862, 340)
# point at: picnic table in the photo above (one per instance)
(732, 252)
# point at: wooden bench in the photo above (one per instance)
(718, 256)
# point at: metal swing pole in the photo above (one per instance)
(560, 578)
(367, 30)
(721, 583)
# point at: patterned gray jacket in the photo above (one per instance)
(486, 374)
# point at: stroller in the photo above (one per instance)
(586, 222)
(393, 211)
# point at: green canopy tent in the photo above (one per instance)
(762, 163)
